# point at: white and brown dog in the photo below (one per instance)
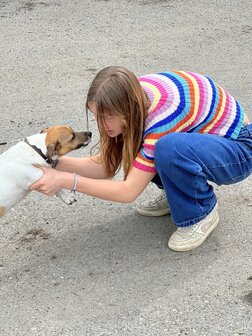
(17, 170)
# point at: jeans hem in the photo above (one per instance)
(196, 220)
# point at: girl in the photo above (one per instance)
(178, 129)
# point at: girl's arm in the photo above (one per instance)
(117, 191)
(88, 166)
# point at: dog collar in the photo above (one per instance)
(53, 163)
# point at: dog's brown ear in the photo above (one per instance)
(51, 151)
(44, 130)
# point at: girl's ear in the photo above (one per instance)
(124, 127)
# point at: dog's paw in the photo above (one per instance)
(67, 197)
(72, 199)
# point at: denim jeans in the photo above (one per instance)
(186, 162)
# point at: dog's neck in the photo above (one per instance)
(38, 140)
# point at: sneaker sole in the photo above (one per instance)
(152, 213)
(199, 242)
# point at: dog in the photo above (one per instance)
(17, 170)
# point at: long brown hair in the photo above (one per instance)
(118, 90)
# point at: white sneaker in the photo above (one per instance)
(154, 208)
(190, 237)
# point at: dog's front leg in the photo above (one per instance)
(66, 196)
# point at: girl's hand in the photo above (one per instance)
(50, 183)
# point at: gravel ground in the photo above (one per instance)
(97, 268)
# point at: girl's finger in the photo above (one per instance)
(35, 186)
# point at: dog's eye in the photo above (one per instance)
(73, 136)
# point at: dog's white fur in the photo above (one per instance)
(17, 172)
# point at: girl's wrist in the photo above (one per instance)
(66, 180)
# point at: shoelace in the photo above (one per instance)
(160, 199)
(188, 230)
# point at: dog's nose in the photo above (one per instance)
(89, 134)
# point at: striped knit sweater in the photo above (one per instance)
(185, 102)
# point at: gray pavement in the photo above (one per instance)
(97, 268)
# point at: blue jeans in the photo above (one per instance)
(185, 162)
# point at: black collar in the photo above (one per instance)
(39, 151)
(52, 163)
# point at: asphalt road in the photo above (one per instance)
(97, 268)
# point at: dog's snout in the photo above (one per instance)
(85, 138)
(86, 134)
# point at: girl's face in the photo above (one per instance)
(113, 124)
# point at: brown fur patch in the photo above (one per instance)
(61, 140)
(2, 211)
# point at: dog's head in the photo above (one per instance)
(61, 140)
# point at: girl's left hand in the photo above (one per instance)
(49, 184)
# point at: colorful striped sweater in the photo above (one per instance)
(185, 102)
